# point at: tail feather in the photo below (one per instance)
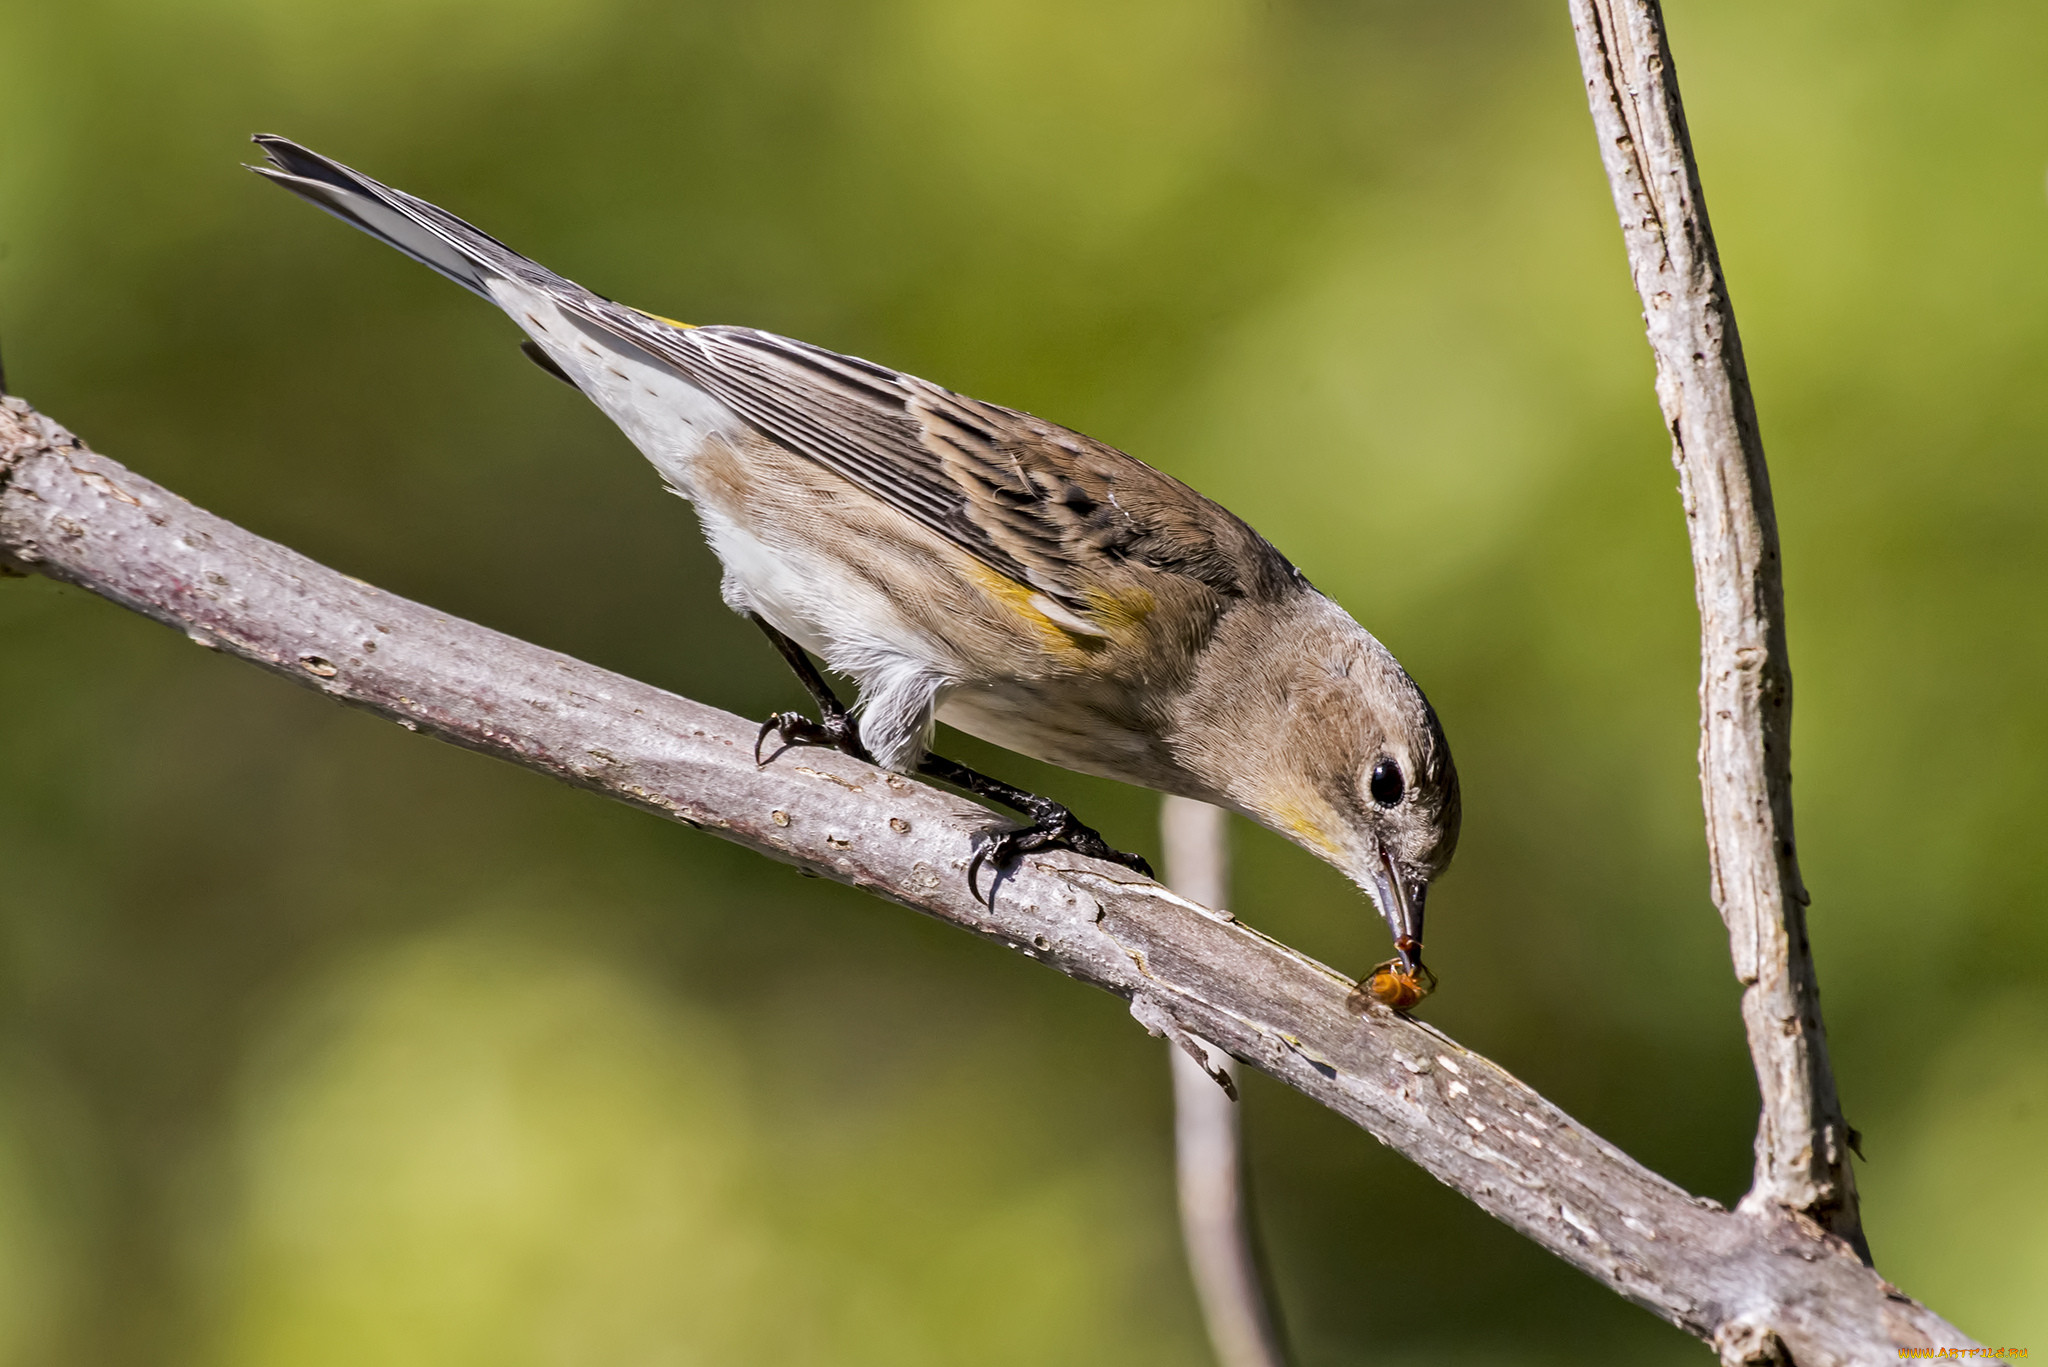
(431, 236)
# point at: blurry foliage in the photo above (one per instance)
(325, 1044)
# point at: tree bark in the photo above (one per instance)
(1743, 1282)
(1803, 1142)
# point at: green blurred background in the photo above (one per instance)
(321, 1043)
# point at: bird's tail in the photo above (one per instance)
(433, 237)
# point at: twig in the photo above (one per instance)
(1215, 1201)
(78, 517)
(1802, 1142)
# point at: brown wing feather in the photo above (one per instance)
(1034, 501)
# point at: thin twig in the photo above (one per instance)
(1215, 1198)
(1802, 1143)
(78, 517)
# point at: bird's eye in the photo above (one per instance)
(1385, 784)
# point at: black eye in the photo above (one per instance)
(1385, 785)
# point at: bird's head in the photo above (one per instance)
(1376, 756)
(1350, 762)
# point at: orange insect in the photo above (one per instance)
(1393, 985)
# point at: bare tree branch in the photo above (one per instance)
(1802, 1142)
(1740, 1281)
(1208, 1144)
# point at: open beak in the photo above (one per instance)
(1401, 904)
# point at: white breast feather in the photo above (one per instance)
(802, 591)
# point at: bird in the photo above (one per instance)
(964, 562)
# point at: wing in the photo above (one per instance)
(1034, 501)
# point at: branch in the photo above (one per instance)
(1732, 1279)
(1215, 1202)
(1802, 1142)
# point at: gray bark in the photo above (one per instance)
(1803, 1142)
(1751, 1283)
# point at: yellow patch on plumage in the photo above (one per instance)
(1059, 628)
(659, 319)
(1305, 827)
(1120, 615)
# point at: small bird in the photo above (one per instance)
(971, 563)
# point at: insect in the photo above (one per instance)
(1395, 985)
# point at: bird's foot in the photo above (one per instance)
(1053, 828)
(838, 731)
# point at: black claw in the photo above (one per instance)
(1055, 829)
(838, 732)
(773, 723)
(981, 853)
(1052, 827)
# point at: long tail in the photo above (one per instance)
(433, 237)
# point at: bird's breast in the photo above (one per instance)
(1091, 726)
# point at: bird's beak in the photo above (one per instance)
(1401, 904)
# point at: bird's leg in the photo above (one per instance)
(837, 728)
(1052, 826)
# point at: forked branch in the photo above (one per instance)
(1802, 1142)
